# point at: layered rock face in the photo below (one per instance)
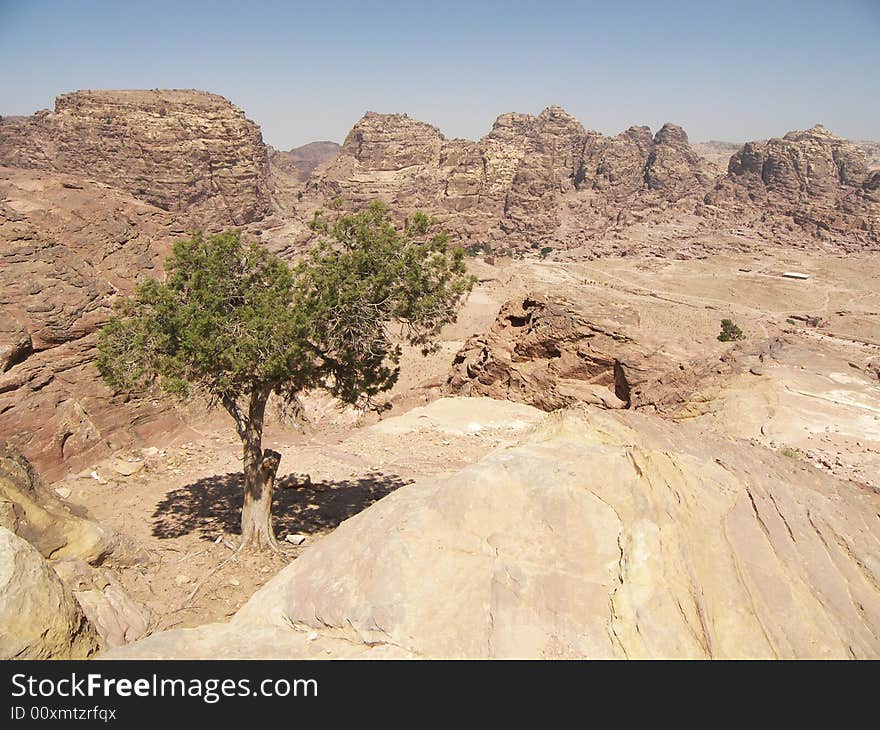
(545, 181)
(813, 179)
(67, 248)
(604, 534)
(186, 152)
(531, 180)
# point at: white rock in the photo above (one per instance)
(296, 539)
(62, 492)
(126, 467)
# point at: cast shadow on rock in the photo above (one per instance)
(212, 505)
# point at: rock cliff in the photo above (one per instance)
(67, 248)
(187, 152)
(544, 181)
(811, 179)
(532, 181)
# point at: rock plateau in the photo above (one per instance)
(187, 152)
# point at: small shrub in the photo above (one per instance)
(546, 251)
(730, 332)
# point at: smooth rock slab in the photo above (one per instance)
(603, 534)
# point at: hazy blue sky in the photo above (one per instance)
(730, 70)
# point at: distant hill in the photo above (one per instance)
(716, 152)
(872, 151)
(301, 161)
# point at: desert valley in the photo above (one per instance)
(581, 469)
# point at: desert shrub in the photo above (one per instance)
(730, 331)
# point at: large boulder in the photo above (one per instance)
(604, 534)
(32, 511)
(39, 617)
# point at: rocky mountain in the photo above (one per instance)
(68, 247)
(811, 179)
(717, 152)
(546, 182)
(531, 181)
(301, 161)
(602, 534)
(187, 152)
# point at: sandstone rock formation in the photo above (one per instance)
(604, 534)
(187, 152)
(811, 179)
(552, 352)
(33, 512)
(531, 181)
(717, 152)
(39, 618)
(872, 153)
(67, 248)
(117, 618)
(544, 182)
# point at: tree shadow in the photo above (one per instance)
(213, 505)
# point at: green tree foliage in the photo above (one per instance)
(729, 331)
(235, 323)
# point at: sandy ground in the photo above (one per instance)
(816, 398)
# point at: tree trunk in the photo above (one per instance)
(260, 468)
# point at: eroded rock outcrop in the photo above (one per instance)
(301, 161)
(604, 534)
(811, 179)
(533, 180)
(544, 181)
(33, 512)
(39, 617)
(187, 152)
(67, 248)
(552, 352)
(116, 616)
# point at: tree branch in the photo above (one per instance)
(231, 406)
